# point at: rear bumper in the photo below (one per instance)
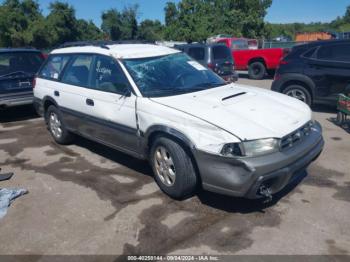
(16, 99)
(243, 177)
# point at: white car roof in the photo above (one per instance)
(121, 50)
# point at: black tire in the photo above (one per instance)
(66, 137)
(271, 73)
(299, 92)
(185, 182)
(341, 118)
(257, 70)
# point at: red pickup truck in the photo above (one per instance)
(258, 62)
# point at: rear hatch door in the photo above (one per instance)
(222, 60)
(17, 70)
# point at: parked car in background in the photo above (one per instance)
(17, 70)
(316, 72)
(217, 57)
(258, 62)
(158, 104)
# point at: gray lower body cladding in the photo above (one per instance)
(242, 177)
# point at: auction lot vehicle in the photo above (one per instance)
(217, 57)
(17, 70)
(157, 103)
(258, 62)
(316, 72)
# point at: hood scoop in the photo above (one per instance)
(235, 95)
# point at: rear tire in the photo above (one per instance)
(257, 70)
(173, 168)
(299, 92)
(57, 127)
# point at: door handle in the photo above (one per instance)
(90, 102)
(56, 93)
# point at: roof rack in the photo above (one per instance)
(103, 44)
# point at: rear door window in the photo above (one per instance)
(26, 62)
(239, 44)
(336, 53)
(54, 66)
(107, 76)
(197, 53)
(221, 53)
(78, 71)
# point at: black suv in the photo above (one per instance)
(316, 72)
(17, 70)
(217, 57)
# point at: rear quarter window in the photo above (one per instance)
(54, 66)
(197, 53)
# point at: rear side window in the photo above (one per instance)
(78, 71)
(54, 66)
(108, 76)
(197, 53)
(221, 52)
(239, 44)
(310, 53)
(339, 52)
(13, 62)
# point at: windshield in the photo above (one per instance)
(170, 75)
(19, 62)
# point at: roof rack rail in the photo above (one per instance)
(103, 44)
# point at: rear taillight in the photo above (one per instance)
(34, 82)
(211, 66)
(283, 62)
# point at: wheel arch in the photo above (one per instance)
(257, 59)
(299, 80)
(156, 131)
(47, 102)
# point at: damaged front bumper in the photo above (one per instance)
(248, 177)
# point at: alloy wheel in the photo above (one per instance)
(55, 125)
(298, 94)
(164, 166)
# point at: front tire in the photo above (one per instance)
(257, 70)
(57, 127)
(299, 92)
(173, 168)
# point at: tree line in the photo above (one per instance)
(340, 24)
(22, 23)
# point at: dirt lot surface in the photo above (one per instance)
(88, 199)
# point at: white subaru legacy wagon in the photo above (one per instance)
(156, 103)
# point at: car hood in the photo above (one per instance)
(246, 112)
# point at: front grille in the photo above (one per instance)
(297, 136)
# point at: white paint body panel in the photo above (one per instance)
(256, 114)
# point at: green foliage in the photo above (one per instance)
(120, 25)
(150, 30)
(23, 24)
(196, 20)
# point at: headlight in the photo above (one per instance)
(251, 148)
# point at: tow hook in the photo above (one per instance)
(265, 192)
